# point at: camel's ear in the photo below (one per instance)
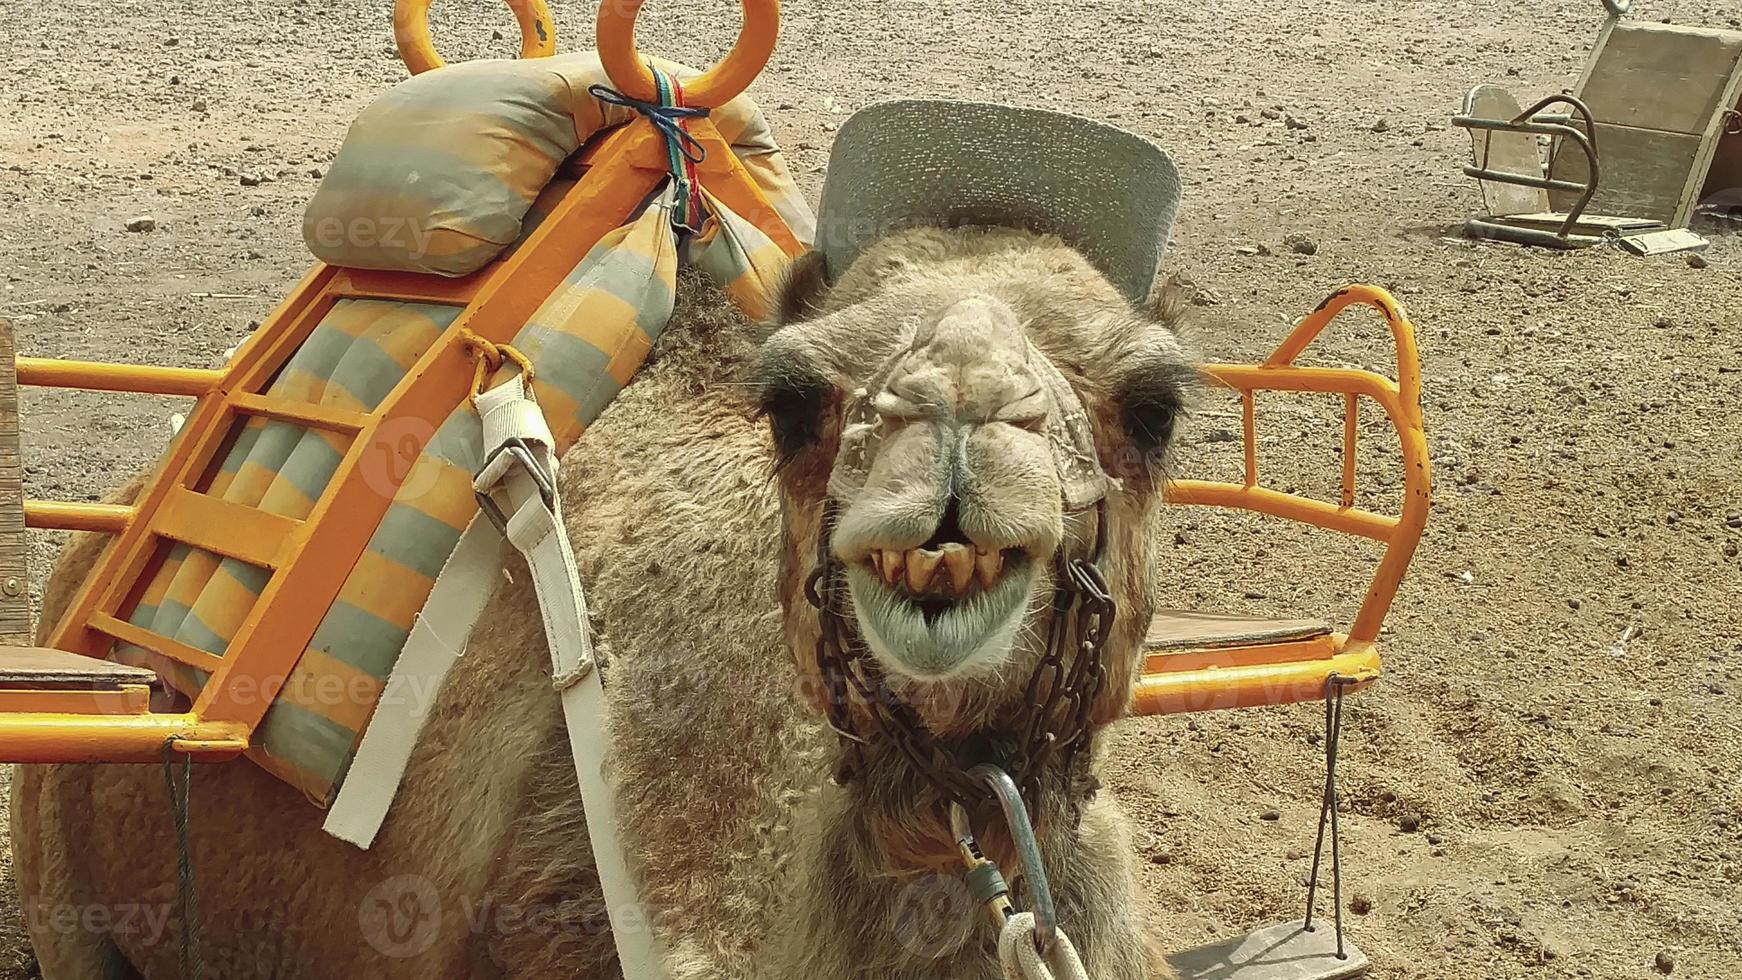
(1167, 304)
(800, 295)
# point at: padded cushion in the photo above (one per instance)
(437, 175)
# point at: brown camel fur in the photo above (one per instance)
(695, 530)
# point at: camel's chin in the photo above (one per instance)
(955, 638)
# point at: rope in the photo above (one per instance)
(1334, 688)
(191, 967)
(1019, 953)
(683, 151)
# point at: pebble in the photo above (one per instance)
(1665, 963)
(249, 180)
(1697, 261)
(1409, 823)
(142, 224)
(199, 105)
(1270, 815)
(1381, 126)
(1360, 905)
(1293, 123)
(1301, 245)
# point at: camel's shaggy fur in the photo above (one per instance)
(694, 545)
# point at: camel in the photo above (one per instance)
(775, 833)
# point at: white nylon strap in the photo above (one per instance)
(515, 435)
(438, 637)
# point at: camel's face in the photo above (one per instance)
(965, 399)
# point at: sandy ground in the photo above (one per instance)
(1547, 782)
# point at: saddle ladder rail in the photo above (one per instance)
(309, 560)
(1280, 673)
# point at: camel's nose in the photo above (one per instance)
(965, 365)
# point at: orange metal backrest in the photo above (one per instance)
(1401, 400)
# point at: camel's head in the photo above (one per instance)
(972, 406)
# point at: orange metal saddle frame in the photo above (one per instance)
(51, 710)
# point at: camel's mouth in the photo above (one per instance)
(943, 609)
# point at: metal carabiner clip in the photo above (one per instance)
(1027, 848)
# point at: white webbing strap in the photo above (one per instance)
(518, 487)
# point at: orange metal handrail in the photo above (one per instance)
(144, 379)
(1401, 400)
(713, 88)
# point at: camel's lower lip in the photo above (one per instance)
(935, 637)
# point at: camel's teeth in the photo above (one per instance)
(875, 560)
(959, 561)
(987, 565)
(922, 566)
(892, 567)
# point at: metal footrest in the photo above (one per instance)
(1285, 951)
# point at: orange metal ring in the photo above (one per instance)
(714, 87)
(411, 32)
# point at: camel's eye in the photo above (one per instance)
(794, 402)
(1153, 401)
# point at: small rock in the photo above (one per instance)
(496, 35)
(199, 105)
(1409, 823)
(249, 180)
(1271, 113)
(1573, 603)
(255, 254)
(1270, 815)
(1360, 905)
(1665, 963)
(171, 41)
(1293, 123)
(316, 172)
(1301, 245)
(142, 224)
(1180, 539)
(1243, 119)
(1381, 126)
(1697, 261)
(1663, 323)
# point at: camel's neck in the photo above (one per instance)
(904, 817)
(881, 849)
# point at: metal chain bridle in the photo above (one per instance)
(1060, 693)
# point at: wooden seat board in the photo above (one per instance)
(1660, 94)
(1281, 952)
(39, 666)
(1179, 629)
(1588, 223)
